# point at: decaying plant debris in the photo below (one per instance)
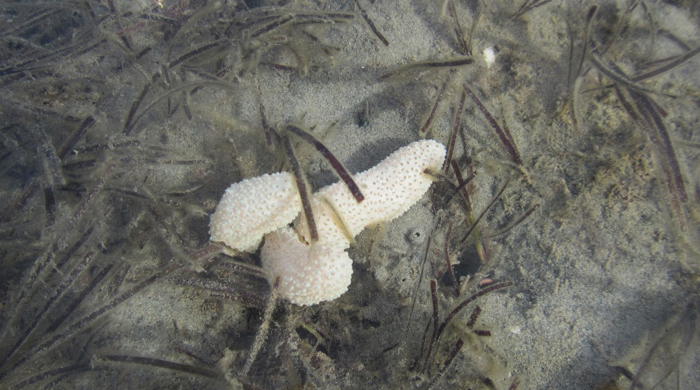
(557, 246)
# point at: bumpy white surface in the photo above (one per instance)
(308, 274)
(390, 188)
(311, 274)
(253, 207)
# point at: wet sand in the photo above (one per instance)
(604, 272)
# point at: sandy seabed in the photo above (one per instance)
(124, 122)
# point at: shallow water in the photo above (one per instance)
(124, 122)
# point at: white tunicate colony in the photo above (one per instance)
(311, 273)
(252, 208)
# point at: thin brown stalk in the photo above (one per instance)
(660, 138)
(448, 262)
(192, 53)
(685, 57)
(433, 338)
(465, 191)
(505, 140)
(115, 145)
(265, 124)
(472, 29)
(194, 356)
(528, 6)
(643, 118)
(232, 292)
(648, 109)
(414, 365)
(433, 111)
(90, 318)
(622, 97)
(243, 268)
(371, 24)
(80, 210)
(128, 125)
(455, 128)
(61, 241)
(457, 29)
(160, 363)
(116, 283)
(79, 165)
(517, 222)
(615, 76)
(584, 51)
(434, 300)
(515, 384)
(463, 183)
(57, 293)
(66, 256)
(79, 299)
(186, 106)
(133, 119)
(476, 222)
(50, 206)
(335, 163)
(570, 33)
(657, 363)
(77, 135)
(272, 26)
(429, 65)
(466, 302)
(446, 365)
(264, 328)
(422, 267)
(50, 160)
(302, 188)
(73, 368)
(473, 317)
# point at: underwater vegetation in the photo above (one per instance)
(556, 248)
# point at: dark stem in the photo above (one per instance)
(302, 188)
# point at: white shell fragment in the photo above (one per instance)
(311, 273)
(489, 56)
(253, 207)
